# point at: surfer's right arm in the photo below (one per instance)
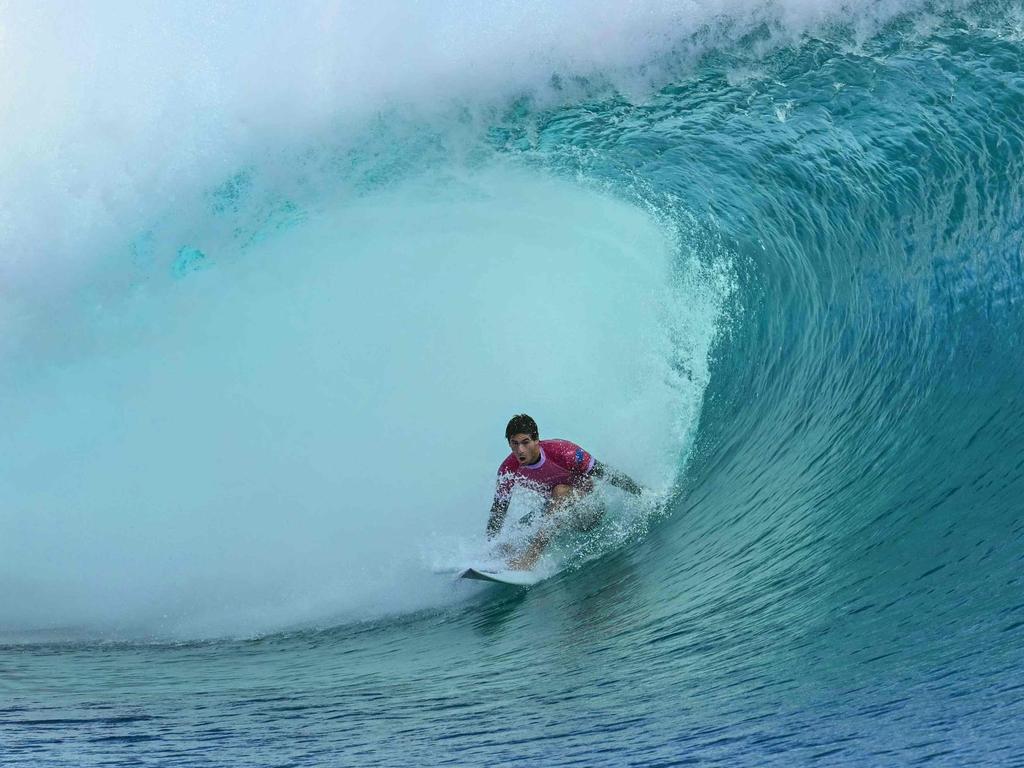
(498, 511)
(502, 496)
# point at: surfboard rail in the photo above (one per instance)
(513, 578)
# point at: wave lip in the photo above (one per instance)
(121, 110)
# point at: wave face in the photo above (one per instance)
(766, 260)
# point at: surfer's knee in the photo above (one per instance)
(561, 491)
(560, 494)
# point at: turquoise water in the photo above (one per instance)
(260, 345)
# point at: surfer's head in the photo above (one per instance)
(523, 438)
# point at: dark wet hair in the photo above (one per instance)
(521, 424)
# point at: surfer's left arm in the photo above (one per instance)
(616, 478)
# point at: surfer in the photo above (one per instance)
(559, 469)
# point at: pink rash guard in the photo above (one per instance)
(561, 463)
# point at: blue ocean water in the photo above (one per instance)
(270, 292)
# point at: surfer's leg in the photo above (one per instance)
(572, 506)
(583, 512)
(586, 519)
(561, 495)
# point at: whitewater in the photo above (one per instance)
(273, 279)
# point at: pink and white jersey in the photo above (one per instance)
(561, 463)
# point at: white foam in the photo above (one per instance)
(273, 439)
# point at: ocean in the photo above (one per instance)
(273, 278)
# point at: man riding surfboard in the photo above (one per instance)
(558, 469)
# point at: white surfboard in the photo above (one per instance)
(515, 578)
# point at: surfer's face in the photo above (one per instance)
(526, 449)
